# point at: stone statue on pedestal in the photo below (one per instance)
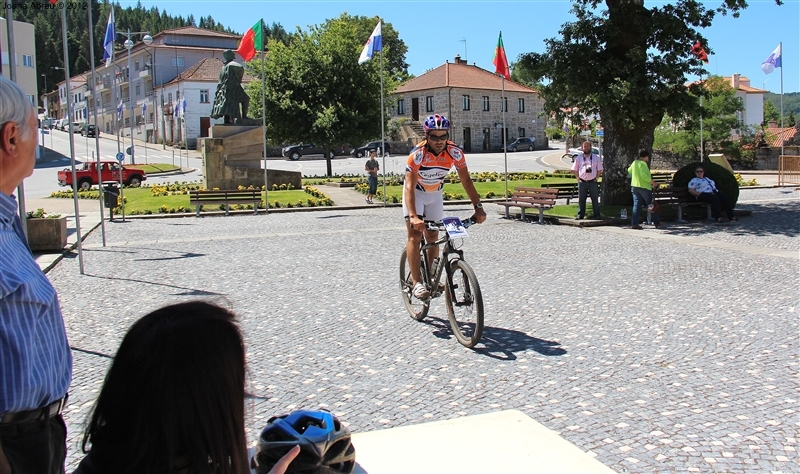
(230, 94)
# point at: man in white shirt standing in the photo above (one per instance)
(588, 167)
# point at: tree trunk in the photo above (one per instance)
(619, 151)
(327, 160)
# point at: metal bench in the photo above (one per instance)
(531, 198)
(200, 198)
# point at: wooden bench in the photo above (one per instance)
(662, 177)
(246, 196)
(679, 197)
(531, 198)
(565, 190)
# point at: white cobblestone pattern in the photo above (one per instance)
(653, 355)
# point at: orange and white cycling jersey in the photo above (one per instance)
(432, 169)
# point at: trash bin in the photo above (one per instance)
(111, 196)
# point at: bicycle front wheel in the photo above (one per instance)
(418, 309)
(464, 303)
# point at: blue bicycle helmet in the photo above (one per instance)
(325, 446)
(436, 122)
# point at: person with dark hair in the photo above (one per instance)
(372, 167)
(35, 359)
(173, 399)
(704, 189)
(642, 189)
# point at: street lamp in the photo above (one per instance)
(147, 40)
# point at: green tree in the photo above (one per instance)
(629, 64)
(720, 110)
(790, 121)
(315, 89)
(771, 113)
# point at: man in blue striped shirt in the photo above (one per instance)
(35, 358)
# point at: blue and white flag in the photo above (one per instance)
(176, 107)
(144, 109)
(183, 106)
(119, 110)
(108, 42)
(772, 62)
(374, 44)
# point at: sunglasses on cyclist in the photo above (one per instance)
(438, 138)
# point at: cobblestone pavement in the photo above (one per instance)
(652, 355)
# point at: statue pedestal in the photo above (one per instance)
(232, 157)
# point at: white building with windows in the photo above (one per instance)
(752, 99)
(180, 61)
(471, 98)
(24, 58)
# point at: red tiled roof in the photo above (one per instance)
(205, 70)
(195, 31)
(459, 75)
(773, 136)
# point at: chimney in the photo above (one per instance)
(772, 124)
(735, 81)
(458, 60)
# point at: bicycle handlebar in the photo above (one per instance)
(440, 227)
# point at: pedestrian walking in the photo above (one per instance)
(642, 189)
(372, 167)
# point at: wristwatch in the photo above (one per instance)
(478, 206)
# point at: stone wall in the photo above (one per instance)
(232, 158)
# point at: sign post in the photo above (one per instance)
(120, 159)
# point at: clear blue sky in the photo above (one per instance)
(434, 30)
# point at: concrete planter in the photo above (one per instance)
(47, 235)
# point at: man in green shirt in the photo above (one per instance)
(642, 189)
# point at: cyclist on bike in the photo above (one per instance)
(427, 166)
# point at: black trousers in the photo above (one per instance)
(718, 202)
(38, 447)
(593, 190)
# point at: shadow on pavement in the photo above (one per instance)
(499, 343)
(780, 218)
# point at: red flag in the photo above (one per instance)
(500, 62)
(252, 41)
(699, 52)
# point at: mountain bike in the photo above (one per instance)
(462, 293)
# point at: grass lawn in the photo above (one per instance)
(157, 168)
(490, 189)
(141, 200)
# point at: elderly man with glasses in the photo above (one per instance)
(427, 166)
(35, 358)
(705, 190)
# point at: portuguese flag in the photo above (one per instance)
(252, 41)
(500, 62)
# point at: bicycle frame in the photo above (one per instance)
(445, 255)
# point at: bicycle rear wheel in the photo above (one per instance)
(464, 303)
(418, 309)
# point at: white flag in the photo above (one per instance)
(374, 44)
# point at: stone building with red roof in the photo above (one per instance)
(471, 98)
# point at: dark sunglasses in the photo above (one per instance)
(698, 171)
(438, 138)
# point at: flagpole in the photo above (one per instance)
(383, 135)
(97, 129)
(503, 105)
(702, 149)
(264, 134)
(72, 141)
(780, 48)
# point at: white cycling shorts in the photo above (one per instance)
(430, 206)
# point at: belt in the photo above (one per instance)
(588, 180)
(49, 411)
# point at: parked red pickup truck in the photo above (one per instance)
(109, 172)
